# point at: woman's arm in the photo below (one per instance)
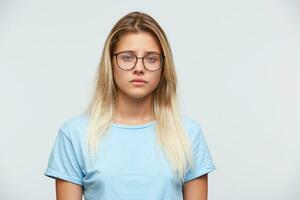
(67, 191)
(196, 189)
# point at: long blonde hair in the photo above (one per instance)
(169, 128)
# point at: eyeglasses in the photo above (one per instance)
(127, 60)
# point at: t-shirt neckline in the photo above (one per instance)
(133, 126)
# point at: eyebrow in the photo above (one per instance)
(131, 51)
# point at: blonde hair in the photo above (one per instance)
(170, 132)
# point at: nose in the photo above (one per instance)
(139, 65)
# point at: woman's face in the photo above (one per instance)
(139, 44)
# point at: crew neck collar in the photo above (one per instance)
(133, 126)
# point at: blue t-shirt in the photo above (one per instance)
(128, 166)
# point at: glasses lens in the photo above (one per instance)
(126, 60)
(152, 61)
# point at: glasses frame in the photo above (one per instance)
(136, 60)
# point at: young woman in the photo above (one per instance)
(132, 142)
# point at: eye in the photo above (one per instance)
(152, 58)
(126, 57)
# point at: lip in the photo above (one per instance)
(138, 80)
(138, 83)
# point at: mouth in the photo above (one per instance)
(138, 82)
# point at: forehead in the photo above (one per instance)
(138, 42)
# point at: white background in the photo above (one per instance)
(238, 72)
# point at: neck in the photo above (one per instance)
(133, 110)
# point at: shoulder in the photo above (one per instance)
(192, 126)
(74, 126)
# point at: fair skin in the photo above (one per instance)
(68, 191)
(196, 189)
(134, 102)
(134, 107)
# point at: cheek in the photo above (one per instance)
(118, 77)
(117, 73)
(155, 81)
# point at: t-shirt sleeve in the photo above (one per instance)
(63, 162)
(202, 162)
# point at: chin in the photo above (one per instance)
(134, 93)
(138, 95)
